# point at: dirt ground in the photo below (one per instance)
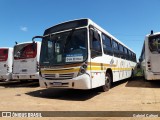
(126, 95)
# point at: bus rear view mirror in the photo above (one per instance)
(34, 44)
(140, 60)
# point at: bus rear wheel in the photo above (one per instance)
(107, 84)
(132, 75)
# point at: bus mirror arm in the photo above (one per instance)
(34, 45)
(37, 37)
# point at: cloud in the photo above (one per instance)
(24, 29)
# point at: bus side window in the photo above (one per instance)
(135, 59)
(131, 57)
(121, 49)
(95, 44)
(115, 48)
(129, 52)
(107, 46)
(126, 53)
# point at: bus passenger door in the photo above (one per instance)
(96, 65)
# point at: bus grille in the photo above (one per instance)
(59, 76)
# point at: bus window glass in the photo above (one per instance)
(3, 54)
(95, 43)
(107, 46)
(25, 51)
(115, 45)
(154, 44)
(121, 49)
(126, 53)
(115, 48)
(64, 48)
(129, 55)
(135, 59)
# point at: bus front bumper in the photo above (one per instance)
(80, 82)
(25, 76)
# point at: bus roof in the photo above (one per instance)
(27, 42)
(156, 33)
(6, 48)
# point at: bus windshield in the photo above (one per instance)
(154, 44)
(64, 48)
(3, 55)
(25, 51)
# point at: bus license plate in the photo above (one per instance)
(24, 76)
(24, 70)
(57, 84)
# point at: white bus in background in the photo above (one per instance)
(6, 60)
(80, 54)
(26, 61)
(150, 57)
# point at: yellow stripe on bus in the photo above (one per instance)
(114, 69)
(101, 64)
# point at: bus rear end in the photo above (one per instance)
(153, 57)
(5, 63)
(26, 61)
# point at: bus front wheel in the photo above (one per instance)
(107, 84)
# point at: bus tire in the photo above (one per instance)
(132, 75)
(143, 77)
(23, 81)
(108, 81)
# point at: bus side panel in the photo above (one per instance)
(6, 66)
(121, 69)
(97, 72)
(115, 69)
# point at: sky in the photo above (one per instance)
(127, 20)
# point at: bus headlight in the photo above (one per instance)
(37, 66)
(82, 69)
(149, 65)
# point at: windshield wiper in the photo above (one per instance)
(67, 39)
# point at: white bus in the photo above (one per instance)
(6, 60)
(79, 54)
(26, 61)
(150, 57)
